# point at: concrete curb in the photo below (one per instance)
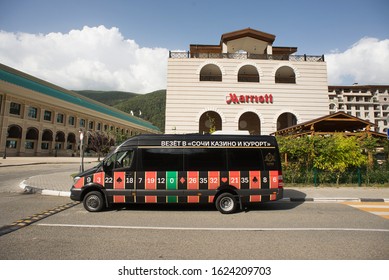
(335, 199)
(23, 164)
(39, 163)
(33, 189)
(55, 193)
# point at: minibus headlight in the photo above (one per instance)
(75, 179)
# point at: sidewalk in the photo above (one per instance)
(59, 184)
(17, 161)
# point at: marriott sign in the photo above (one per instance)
(258, 99)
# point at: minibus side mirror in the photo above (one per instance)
(106, 167)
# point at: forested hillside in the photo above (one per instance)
(150, 106)
(107, 97)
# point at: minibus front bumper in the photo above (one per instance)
(75, 194)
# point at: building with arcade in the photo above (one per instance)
(243, 83)
(38, 118)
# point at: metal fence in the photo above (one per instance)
(310, 58)
(356, 176)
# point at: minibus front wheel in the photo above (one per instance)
(226, 203)
(93, 201)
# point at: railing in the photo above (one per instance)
(211, 78)
(310, 58)
(248, 78)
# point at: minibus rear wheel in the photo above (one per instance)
(226, 203)
(93, 201)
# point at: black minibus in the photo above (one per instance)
(227, 170)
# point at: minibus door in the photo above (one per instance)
(120, 177)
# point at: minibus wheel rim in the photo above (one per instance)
(93, 201)
(226, 203)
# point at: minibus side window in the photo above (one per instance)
(160, 159)
(122, 160)
(245, 159)
(109, 163)
(205, 159)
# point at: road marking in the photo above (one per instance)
(376, 208)
(34, 218)
(213, 229)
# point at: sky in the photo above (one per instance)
(124, 44)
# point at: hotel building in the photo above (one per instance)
(243, 83)
(41, 119)
(363, 101)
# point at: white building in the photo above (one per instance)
(244, 83)
(363, 101)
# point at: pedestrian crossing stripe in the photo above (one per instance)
(377, 208)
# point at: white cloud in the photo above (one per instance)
(100, 58)
(366, 62)
(91, 58)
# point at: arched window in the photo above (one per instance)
(286, 120)
(32, 133)
(250, 121)
(71, 138)
(71, 141)
(14, 131)
(211, 73)
(59, 141)
(285, 74)
(60, 137)
(47, 138)
(31, 139)
(209, 122)
(248, 73)
(47, 135)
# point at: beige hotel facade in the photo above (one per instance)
(243, 83)
(38, 118)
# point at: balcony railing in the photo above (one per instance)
(310, 58)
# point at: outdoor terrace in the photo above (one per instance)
(244, 55)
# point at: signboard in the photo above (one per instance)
(232, 98)
(201, 143)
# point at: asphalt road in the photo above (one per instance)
(274, 231)
(281, 230)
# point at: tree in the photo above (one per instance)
(212, 127)
(119, 137)
(337, 153)
(334, 153)
(297, 156)
(100, 142)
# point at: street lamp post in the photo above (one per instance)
(56, 147)
(81, 151)
(5, 148)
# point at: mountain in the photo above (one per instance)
(150, 106)
(109, 98)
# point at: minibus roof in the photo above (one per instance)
(200, 140)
